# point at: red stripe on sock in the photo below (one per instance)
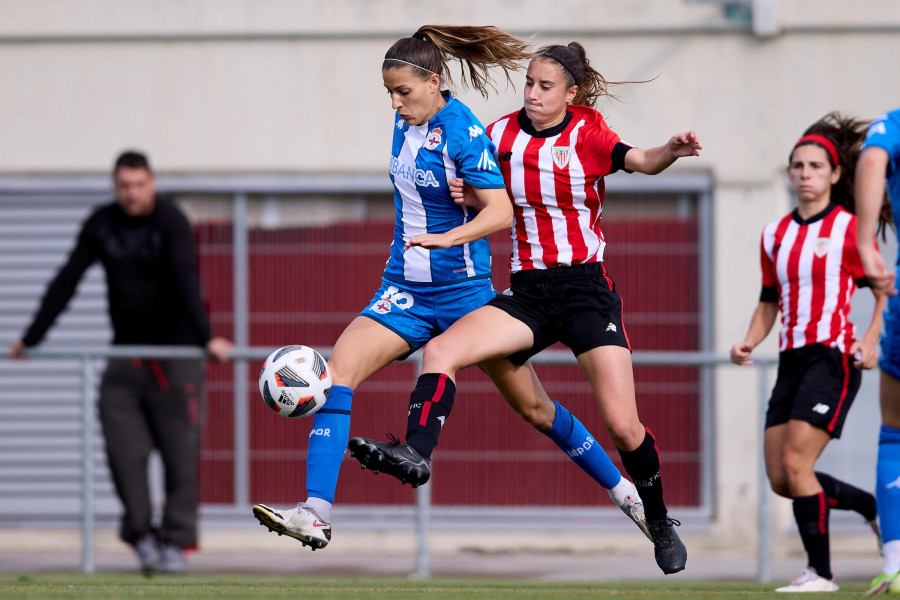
(823, 513)
(442, 379)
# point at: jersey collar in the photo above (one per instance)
(816, 217)
(526, 126)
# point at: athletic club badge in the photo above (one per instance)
(822, 246)
(433, 139)
(561, 155)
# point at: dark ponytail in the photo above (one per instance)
(478, 49)
(577, 70)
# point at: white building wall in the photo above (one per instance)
(273, 86)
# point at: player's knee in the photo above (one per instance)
(440, 355)
(780, 486)
(537, 415)
(625, 435)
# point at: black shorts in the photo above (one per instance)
(576, 305)
(816, 384)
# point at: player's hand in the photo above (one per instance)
(740, 354)
(877, 273)
(463, 194)
(685, 144)
(219, 348)
(866, 355)
(17, 350)
(429, 241)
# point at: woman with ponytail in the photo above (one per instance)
(554, 154)
(439, 265)
(810, 269)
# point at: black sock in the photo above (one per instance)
(429, 405)
(843, 496)
(811, 513)
(642, 464)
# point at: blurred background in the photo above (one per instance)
(267, 121)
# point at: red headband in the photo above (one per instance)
(824, 142)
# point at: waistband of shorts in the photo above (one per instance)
(559, 273)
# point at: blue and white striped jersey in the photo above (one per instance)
(423, 159)
(884, 132)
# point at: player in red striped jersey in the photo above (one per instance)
(553, 155)
(810, 269)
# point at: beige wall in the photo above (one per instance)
(257, 86)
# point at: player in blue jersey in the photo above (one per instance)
(439, 267)
(879, 161)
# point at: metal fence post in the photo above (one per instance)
(423, 510)
(87, 464)
(764, 562)
(241, 340)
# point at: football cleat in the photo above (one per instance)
(809, 581)
(173, 560)
(669, 550)
(300, 523)
(885, 584)
(626, 497)
(393, 458)
(147, 550)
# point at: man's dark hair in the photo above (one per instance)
(133, 160)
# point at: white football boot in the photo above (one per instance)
(810, 581)
(626, 497)
(300, 523)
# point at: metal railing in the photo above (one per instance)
(88, 356)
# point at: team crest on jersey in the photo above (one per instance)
(561, 155)
(822, 246)
(433, 139)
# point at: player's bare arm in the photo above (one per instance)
(655, 160)
(760, 325)
(496, 215)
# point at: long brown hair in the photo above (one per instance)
(478, 49)
(577, 70)
(847, 135)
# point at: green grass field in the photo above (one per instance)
(245, 587)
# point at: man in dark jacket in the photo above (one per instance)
(146, 247)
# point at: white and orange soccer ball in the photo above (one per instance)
(295, 381)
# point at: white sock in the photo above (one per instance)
(320, 507)
(623, 493)
(892, 556)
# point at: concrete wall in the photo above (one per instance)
(274, 86)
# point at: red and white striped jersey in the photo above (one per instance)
(814, 266)
(555, 180)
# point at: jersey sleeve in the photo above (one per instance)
(604, 149)
(474, 154)
(182, 255)
(769, 291)
(884, 132)
(62, 287)
(852, 262)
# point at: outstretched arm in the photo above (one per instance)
(867, 344)
(496, 215)
(656, 160)
(870, 173)
(760, 325)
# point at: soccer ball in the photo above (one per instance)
(295, 381)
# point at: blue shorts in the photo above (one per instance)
(418, 313)
(890, 339)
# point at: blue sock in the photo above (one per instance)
(887, 486)
(327, 443)
(571, 436)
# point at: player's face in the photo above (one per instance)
(811, 174)
(546, 93)
(414, 98)
(135, 191)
